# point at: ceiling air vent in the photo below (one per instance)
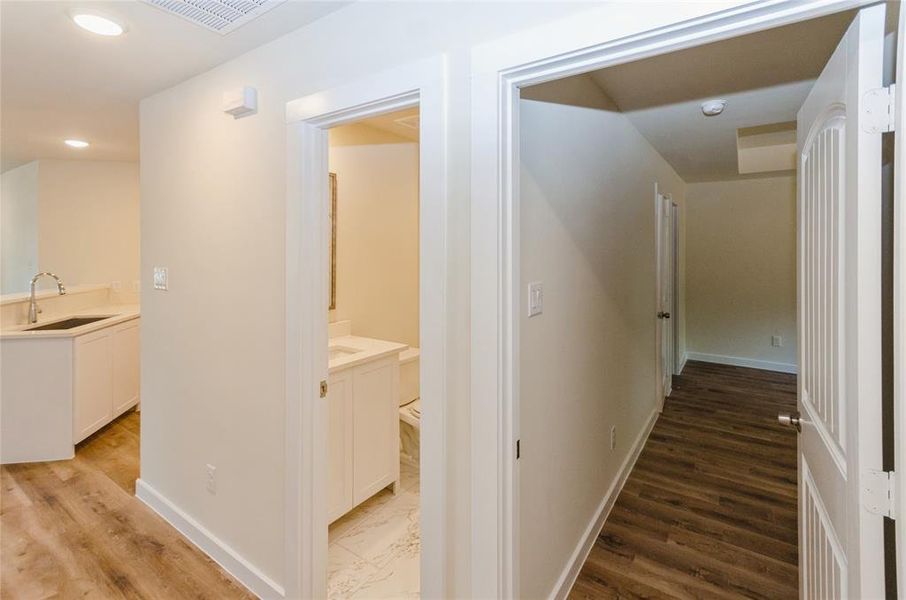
(222, 16)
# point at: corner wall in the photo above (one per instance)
(587, 363)
(741, 272)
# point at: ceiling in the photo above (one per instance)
(403, 123)
(61, 82)
(764, 76)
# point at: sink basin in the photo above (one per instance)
(67, 323)
(340, 352)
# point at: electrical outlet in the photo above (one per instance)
(613, 437)
(776, 341)
(211, 478)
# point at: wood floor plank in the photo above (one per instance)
(73, 529)
(710, 510)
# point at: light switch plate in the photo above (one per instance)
(535, 298)
(160, 278)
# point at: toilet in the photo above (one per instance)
(410, 406)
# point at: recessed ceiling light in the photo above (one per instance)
(76, 143)
(98, 24)
(712, 108)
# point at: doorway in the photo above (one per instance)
(419, 86)
(517, 193)
(373, 358)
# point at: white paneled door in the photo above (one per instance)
(839, 208)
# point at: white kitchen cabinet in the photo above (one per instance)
(339, 453)
(363, 453)
(105, 376)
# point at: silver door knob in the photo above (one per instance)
(790, 420)
(663, 315)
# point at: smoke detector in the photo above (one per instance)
(222, 16)
(712, 108)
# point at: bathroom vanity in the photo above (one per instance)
(363, 413)
(65, 377)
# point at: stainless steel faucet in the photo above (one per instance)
(32, 305)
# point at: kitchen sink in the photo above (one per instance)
(67, 323)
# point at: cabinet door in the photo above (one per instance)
(375, 427)
(93, 383)
(125, 366)
(339, 450)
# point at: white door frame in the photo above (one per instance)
(899, 307)
(663, 232)
(421, 84)
(677, 361)
(588, 41)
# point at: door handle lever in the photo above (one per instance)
(793, 420)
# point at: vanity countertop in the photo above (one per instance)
(351, 350)
(119, 313)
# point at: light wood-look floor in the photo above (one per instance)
(710, 509)
(73, 529)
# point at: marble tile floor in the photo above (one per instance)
(373, 551)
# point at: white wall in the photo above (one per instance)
(213, 211)
(18, 227)
(77, 219)
(88, 221)
(741, 270)
(377, 232)
(588, 362)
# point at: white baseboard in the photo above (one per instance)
(568, 578)
(247, 574)
(738, 361)
(682, 364)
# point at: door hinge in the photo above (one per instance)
(879, 109)
(323, 388)
(518, 449)
(878, 492)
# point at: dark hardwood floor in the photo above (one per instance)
(709, 511)
(74, 529)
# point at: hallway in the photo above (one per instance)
(709, 511)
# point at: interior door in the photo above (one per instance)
(839, 287)
(664, 295)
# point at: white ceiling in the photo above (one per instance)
(764, 76)
(391, 122)
(61, 82)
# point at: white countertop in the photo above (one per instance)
(359, 350)
(118, 313)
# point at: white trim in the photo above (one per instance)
(899, 302)
(739, 361)
(567, 579)
(591, 40)
(682, 364)
(229, 560)
(420, 84)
